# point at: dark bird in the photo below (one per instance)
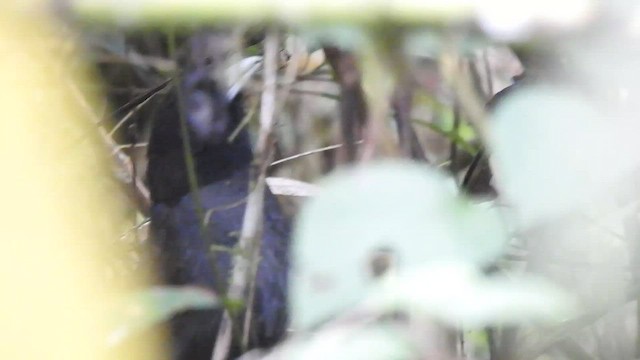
(190, 234)
(477, 179)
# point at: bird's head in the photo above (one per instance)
(210, 114)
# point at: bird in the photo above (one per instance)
(193, 232)
(477, 179)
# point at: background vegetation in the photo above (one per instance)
(405, 246)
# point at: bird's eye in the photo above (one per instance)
(208, 60)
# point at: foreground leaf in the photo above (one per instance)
(152, 306)
(460, 295)
(391, 212)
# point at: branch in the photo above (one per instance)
(464, 86)
(134, 189)
(402, 104)
(244, 268)
(310, 152)
(353, 108)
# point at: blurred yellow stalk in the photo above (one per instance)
(60, 219)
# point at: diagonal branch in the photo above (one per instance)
(124, 166)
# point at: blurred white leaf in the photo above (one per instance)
(459, 294)
(353, 342)
(553, 152)
(408, 209)
(516, 20)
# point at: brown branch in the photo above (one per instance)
(245, 267)
(353, 106)
(464, 87)
(402, 105)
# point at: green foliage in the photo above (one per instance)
(431, 42)
(189, 12)
(396, 237)
(344, 36)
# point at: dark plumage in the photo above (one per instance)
(184, 249)
(477, 180)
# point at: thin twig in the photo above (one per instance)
(137, 191)
(453, 150)
(310, 152)
(402, 105)
(147, 94)
(136, 59)
(143, 101)
(264, 155)
(244, 268)
(464, 87)
(245, 121)
(316, 93)
(129, 146)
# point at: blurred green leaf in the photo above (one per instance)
(431, 42)
(406, 208)
(192, 12)
(553, 151)
(149, 307)
(479, 341)
(443, 122)
(462, 137)
(349, 37)
(459, 294)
